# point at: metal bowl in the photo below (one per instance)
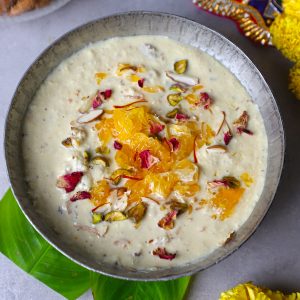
(138, 23)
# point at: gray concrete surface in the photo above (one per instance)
(271, 256)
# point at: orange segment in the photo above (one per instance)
(226, 200)
(100, 192)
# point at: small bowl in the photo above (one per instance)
(143, 23)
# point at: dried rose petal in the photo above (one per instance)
(69, 181)
(167, 222)
(205, 100)
(80, 196)
(163, 253)
(241, 124)
(217, 183)
(156, 127)
(117, 145)
(141, 82)
(180, 116)
(245, 130)
(174, 144)
(147, 160)
(106, 94)
(226, 181)
(227, 137)
(97, 101)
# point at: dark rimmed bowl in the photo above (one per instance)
(141, 23)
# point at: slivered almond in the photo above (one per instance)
(216, 149)
(90, 116)
(179, 78)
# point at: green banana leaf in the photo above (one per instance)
(26, 248)
(110, 289)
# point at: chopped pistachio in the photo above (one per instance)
(67, 142)
(174, 99)
(98, 160)
(115, 216)
(172, 114)
(232, 182)
(97, 218)
(180, 66)
(86, 157)
(137, 212)
(177, 88)
(102, 150)
(180, 207)
(116, 175)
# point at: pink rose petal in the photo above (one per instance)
(227, 137)
(163, 253)
(181, 116)
(147, 160)
(174, 143)
(141, 82)
(80, 196)
(69, 181)
(156, 127)
(117, 145)
(205, 100)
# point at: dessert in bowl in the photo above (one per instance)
(144, 154)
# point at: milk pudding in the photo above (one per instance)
(144, 152)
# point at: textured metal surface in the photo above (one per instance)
(133, 24)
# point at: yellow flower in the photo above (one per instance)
(292, 8)
(294, 84)
(248, 291)
(285, 31)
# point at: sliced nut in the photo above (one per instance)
(216, 149)
(90, 116)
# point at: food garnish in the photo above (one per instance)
(167, 222)
(137, 212)
(180, 207)
(114, 216)
(180, 66)
(247, 179)
(69, 182)
(171, 114)
(67, 142)
(174, 99)
(173, 143)
(181, 116)
(129, 104)
(195, 150)
(226, 181)
(241, 124)
(183, 79)
(227, 137)
(97, 101)
(178, 88)
(98, 160)
(163, 253)
(96, 218)
(141, 82)
(117, 145)
(82, 195)
(100, 76)
(153, 89)
(106, 94)
(216, 149)
(90, 116)
(156, 128)
(147, 159)
(205, 100)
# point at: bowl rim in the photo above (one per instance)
(158, 14)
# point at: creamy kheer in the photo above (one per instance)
(144, 152)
